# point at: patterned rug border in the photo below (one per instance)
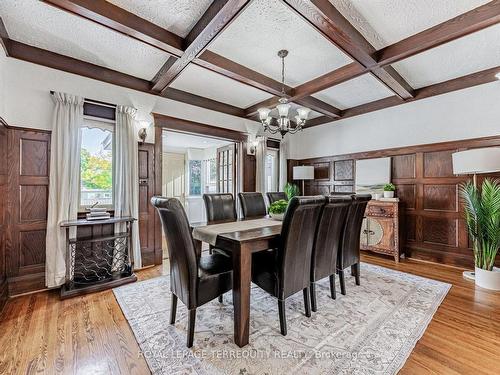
(396, 365)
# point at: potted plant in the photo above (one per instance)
(389, 190)
(277, 209)
(291, 190)
(482, 214)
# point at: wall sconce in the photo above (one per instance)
(143, 130)
(253, 142)
(142, 134)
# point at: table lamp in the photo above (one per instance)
(303, 172)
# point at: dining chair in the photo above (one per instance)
(286, 269)
(194, 280)
(349, 254)
(252, 205)
(273, 196)
(220, 207)
(327, 243)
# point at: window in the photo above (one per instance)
(211, 176)
(194, 177)
(96, 164)
(272, 170)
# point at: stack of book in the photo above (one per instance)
(97, 213)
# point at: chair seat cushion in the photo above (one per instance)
(215, 277)
(214, 265)
(264, 272)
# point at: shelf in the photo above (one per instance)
(107, 237)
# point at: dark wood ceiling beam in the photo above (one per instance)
(219, 64)
(118, 19)
(460, 83)
(458, 27)
(217, 17)
(325, 18)
(68, 64)
(319, 106)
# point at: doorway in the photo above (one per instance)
(193, 165)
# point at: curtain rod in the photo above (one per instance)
(104, 104)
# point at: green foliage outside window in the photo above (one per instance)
(96, 170)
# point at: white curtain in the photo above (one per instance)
(260, 168)
(283, 164)
(64, 182)
(126, 175)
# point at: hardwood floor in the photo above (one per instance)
(89, 335)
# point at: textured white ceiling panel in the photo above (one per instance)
(204, 82)
(44, 26)
(361, 90)
(267, 26)
(384, 22)
(177, 16)
(463, 56)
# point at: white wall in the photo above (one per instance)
(29, 103)
(470, 113)
(3, 62)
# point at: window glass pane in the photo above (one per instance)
(96, 167)
(195, 177)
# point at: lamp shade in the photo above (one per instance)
(479, 160)
(303, 172)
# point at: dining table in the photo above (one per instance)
(241, 238)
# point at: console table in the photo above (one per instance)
(380, 229)
(97, 262)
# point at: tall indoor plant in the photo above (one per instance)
(482, 214)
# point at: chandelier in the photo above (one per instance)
(283, 124)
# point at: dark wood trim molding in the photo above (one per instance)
(217, 17)
(187, 126)
(4, 37)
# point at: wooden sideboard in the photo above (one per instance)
(380, 230)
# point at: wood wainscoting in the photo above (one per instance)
(433, 226)
(24, 191)
(3, 211)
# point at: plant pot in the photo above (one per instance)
(488, 279)
(388, 194)
(277, 216)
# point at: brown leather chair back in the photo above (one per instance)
(252, 204)
(275, 196)
(328, 236)
(181, 249)
(297, 239)
(351, 236)
(220, 207)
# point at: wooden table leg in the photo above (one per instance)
(242, 268)
(197, 247)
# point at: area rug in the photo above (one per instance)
(371, 330)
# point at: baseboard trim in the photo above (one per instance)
(4, 294)
(26, 284)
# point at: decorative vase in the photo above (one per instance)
(388, 194)
(277, 216)
(488, 279)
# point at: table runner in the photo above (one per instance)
(209, 233)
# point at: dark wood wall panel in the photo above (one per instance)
(431, 214)
(28, 159)
(3, 209)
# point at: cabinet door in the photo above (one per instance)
(381, 233)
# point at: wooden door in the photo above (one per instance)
(174, 176)
(226, 169)
(146, 209)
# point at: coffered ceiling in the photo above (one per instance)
(177, 16)
(37, 24)
(346, 57)
(266, 27)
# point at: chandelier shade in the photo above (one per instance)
(283, 123)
